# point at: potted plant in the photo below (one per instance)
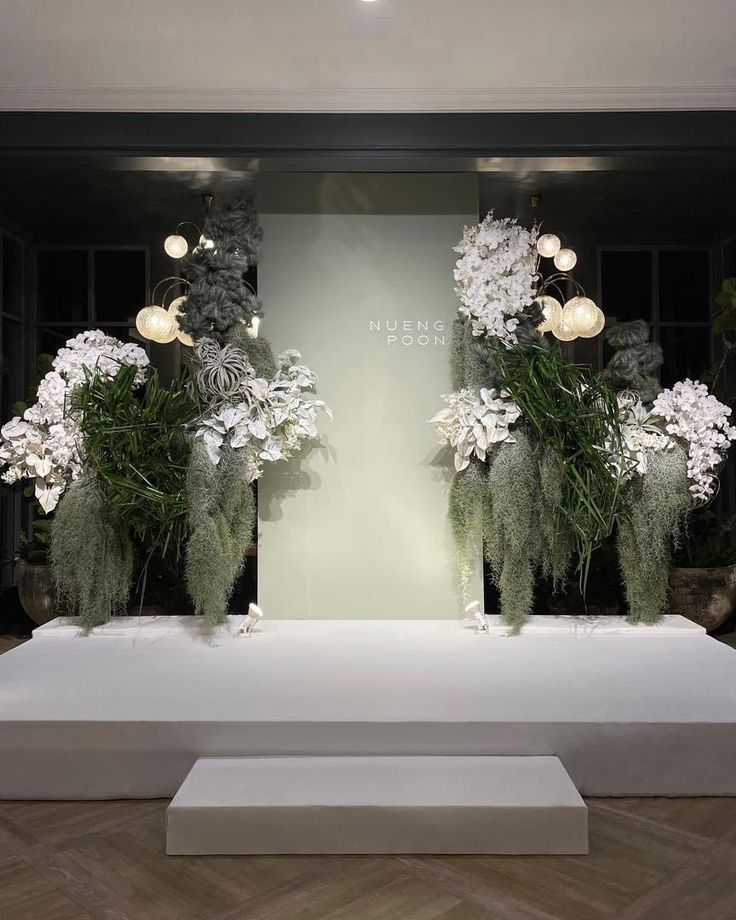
(35, 584)
(703, 574)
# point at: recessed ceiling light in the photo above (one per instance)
(369, 1)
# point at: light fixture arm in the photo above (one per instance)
(190, 223)
(175, 278)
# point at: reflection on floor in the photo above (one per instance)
(650, 859)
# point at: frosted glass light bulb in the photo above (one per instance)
(563, 331)
(565, 260)
(548, 245)
(252, 330)
(552, 310)
(597, 326)
(156, 324)
(581, 315)
(176, 246)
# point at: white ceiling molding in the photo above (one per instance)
(390, 99)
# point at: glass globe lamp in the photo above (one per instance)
(563, 330)
(548, 245)
(176, 246)
(156, 324)
(552, 310)
(565, 260)
(597, 327)
(581, 315)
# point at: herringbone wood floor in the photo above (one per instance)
(651, 859)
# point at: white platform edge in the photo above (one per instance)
(178, 627)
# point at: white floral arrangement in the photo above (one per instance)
(44, 445)
(268, 418)
(496, 276)
(696, 417)
(472, 424)
(641, 434)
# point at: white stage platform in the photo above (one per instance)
(127, 712)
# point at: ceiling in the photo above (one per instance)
(349, 55)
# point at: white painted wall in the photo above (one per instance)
(358, 528)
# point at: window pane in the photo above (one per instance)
(684, 286)
(12, 272)
(49, 339)
(120, 283)
(62, 284)
(686, 353)
(626, 284)
(12, 366)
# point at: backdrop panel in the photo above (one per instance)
(356, 272)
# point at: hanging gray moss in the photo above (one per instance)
(636, 361)
(472, 361)
(221, 517)
(465, 512)
(511, 535)
(557, 544)
(91, 556)
(653, 509)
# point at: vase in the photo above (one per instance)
(705, 596)
(36, 591)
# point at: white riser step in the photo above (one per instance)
(313, 805)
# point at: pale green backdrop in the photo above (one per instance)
(356, 273)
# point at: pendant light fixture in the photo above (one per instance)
(580, 316)
(160, 324)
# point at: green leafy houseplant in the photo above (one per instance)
(576, 416)
(131, 496)
(724, 325)
(34, 547)
(139, 452)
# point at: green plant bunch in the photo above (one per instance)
(576, 417)
(35, 546)
(724, 325)
(137, 447)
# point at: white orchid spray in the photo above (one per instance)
(45, 444)
(496, 276)
(472, 424)
(695, 416)
(268, 418)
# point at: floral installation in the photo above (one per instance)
(44, 445)
(472, 425)
(496, 276)
(551, 459)
(694, 415)
(268, 419)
